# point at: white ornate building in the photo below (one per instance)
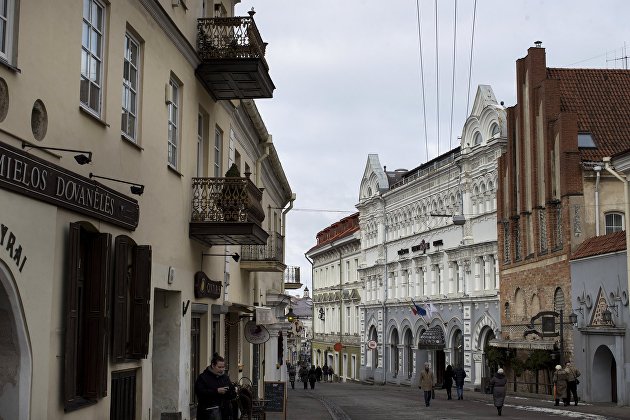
(430, 234)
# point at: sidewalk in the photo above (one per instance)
(303, 404)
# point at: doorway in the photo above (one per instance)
(604, 376)
(440, 365)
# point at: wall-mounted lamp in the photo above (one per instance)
(458, 219)
(607, 315)
(573, 318)
(291, 315)
(136, 189)
(82, 158)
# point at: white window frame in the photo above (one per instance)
(218, 151)
(612, 228)
(131, 86)
(173, 124)
(7, 22)
(92, 55)
(201, 130)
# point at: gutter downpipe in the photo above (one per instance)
(597, 169)
(626, 185)
(313, 306)
(385, 294)
(284, 221)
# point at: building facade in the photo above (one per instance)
(555, 194)
(106, 286)
(337, 298)
(428, 237)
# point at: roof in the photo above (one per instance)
(599, 245)
(338, 230)
(600, 98)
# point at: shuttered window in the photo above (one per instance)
(132, 294)
(86, 335)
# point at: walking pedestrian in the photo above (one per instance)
(572, 382)
(497, 383)
(304, 375)
(448, 381)
(292, 373)
(312, 376)
(560, 385)
(331, 372)
(325, 372)
(426, 383)
(214, 392)
(318, 372)
(459, 374)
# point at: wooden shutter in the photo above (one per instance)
(140, 297)
(72, 315)
(95, 324)
(119, 299)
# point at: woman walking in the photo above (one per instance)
(448, 381)
(560, 384)
(498, 383)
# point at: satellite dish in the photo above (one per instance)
(256, 334)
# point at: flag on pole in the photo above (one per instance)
(430, 309)
(417, 309)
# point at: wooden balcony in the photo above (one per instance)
(227, 211)
(292, 278)
(267, 257)
(232, 56)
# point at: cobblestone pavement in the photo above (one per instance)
(345, 401)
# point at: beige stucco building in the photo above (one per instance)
(108, 305)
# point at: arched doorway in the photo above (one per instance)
(408, 340)
(372, 354)
(487, 334)
(604, 376)
(394, 353)
(458, 349)
(15, 360)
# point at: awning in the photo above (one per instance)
(522, 344)
(432, 339)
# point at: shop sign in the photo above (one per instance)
(204, 287)
(44, 181)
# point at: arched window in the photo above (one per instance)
(507, 311)
(477, 138)
(495, 131)
(614, 222)
(558, 300)
(369, 192)
(519, 300)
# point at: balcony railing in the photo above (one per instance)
(232, 56)
(271, 251)
(292, 278)
(229, 37)
(227, 211)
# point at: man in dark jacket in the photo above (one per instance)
(459, 374)
(214, 391)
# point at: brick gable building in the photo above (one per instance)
(553, 194)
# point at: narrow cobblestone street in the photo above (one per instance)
(342, 401)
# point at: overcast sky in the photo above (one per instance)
(348, 83)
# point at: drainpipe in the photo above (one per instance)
(385, 294)
(283, 222)
(597, 169)
(626, 185)
(266, 145)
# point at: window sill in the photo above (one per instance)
(92, 115)
(174, 169)
(130, 142)
(10, 66)
(78, 403)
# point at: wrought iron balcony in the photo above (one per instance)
(292, 278)
(232, 56)
(267, 257)
(227, 211)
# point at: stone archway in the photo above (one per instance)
(457, 345)
(408, 353)
(16, 362)
(604, 376)
(394, 353)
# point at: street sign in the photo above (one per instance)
(338, 346)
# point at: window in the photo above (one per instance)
(132, 293)
(347, 329)
(614, 222)
(85, 367)
(495, 130)
(173, 122)
(129, 121)
(92, 55)
(123, 404)
(7, 18)
(585, 140)
(558, 300)
(218, 146)
(477, 138)
(201, 133)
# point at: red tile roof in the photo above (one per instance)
(599, 245)
(601, 100)
(344, 227)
